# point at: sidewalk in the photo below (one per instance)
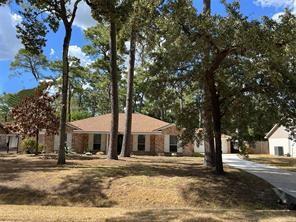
(281, 179)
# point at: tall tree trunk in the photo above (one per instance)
(216, 113)
(126, 145)
(37, 142)
(209, 145)
(69, 102)
(112, 151)
(63, 118)
(207, 7)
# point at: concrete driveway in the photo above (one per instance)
(281, 179)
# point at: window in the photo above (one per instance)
(141, 142)
(173, 144)
(97, 142)
(279, 151)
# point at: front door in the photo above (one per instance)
(119, 143)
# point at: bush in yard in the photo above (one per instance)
(28, 146)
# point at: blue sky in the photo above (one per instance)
(9, 45)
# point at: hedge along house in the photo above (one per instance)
(149, 136)
(280, 143)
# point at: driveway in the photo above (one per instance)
(281, 179)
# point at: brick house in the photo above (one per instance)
(149, 136)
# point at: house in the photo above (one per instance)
(149, 136)
(8, 141)
(280, 143)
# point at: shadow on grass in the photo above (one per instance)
(25, 195)
(163, 215)
(236, 189)
(86, 188)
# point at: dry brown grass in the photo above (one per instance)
(69, 214)
(286, 163)
(138, 187)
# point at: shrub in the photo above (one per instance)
(198, 154)
(28, 146)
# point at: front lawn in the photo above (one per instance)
(286, 163)
(138, 187)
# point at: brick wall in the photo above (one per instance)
(188, 149)
(79, 142)
(172, 130)
(47, 141)
(159, 144)
(152, 144)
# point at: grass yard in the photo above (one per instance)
(140, 188)
(286, 163)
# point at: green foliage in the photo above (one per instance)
(28, 145)
(198, 155)
(26, 62)
(96, 96)
(31, 30)
(254, 79)
(78, 115)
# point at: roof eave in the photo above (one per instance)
(274, 128)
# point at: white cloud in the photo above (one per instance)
(290, 4)
(76, 51)
(83, 17)
(16, 19)
(9, 44)
(275, 3)
(277, 16)
(52, 52)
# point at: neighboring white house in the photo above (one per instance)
(280, 143)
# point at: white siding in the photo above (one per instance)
(179, 147)
(166, 143)
(135, 142)
(103, 142)
(284, 142)
(199, 148)
(225, 145)
(56, 142)
(147, 143)
(69, 140)
(13, 141)
(281, 132)
(293, 149)
(90, 142)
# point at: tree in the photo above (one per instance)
(3, 2)
(126, 149)
(97, 94)
(26, 62)
(210, 157)
(32, 32)
(142, 14)
(197, 48)
(78, 78)
(34, 114)
(111, 11)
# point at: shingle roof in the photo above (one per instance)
(140, 123)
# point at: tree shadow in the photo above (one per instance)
(163, 215)
(87, 186)
(84, 189)
(25, 195)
